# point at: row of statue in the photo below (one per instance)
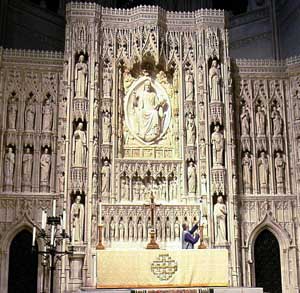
(261, 121)
(30, 113)
(27, 167)
(263, 166)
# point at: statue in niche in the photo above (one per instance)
(107, 85)
(127, 79)
(96, 73)
(9, 165)
(79, 146)
(30, 114)
(12, 111)
(96, 109)
(61, 182)
(81, 71)
(45, 166)
(247, 171)
(190, 129)
(168, 230)
(47, 115)
(279, 168)
(150, 113)
(66, 71)
(140, 230)
(217, 140)
(125, 189)
(158, 229)
(105, 172)
(94, 232)
(245, 122)
(189, 86)
(202, 148)
(203, 184)
(63, 108)
(95, 147)
(131, 230)
(277, 122)
(121, 230)
(214, 82)
(77, 218)
(263, 171)
(95, 183)
(192, 178)
(176, 80)
(112, 230)
(27, 166)
(177, 230)
(220, 212)
(260, 118)
(201, 111)
(107, 127)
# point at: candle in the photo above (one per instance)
(33, 235)
(54, 207)
(52, 235)
(64, 220)
(43, 220)
(100, 213)
(201, 212)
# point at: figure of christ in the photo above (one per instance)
(151, 114)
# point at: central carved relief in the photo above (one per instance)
(147, 110)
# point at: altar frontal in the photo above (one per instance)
(162, 268)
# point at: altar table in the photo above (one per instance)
(162, 268)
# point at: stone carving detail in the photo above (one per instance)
(190, 129)
(47, 114)
(263, 172)
(220, 213)
(260, 117)
(105, 172)
(8, 167)
(192, 178)
(214, 82)
(81, 71)
(12, 111)
(277, 122)
(147, 110)
(77, 220)
(245, 122)
(217, 140)
(189, 85)
(247, 172)
(279, 172)
(27, 168)
(45, 167)
(107, 127)
(79, 146)
(107, 85)
(30, 110)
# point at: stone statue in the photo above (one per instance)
(130, 230)
(121, 230)
(177, 230)
(158, 229)
(277, 122)
(175, 82)
(203, 184)
(94, 229)
(201, 111)
(189, 86)
(260, 121)
(27, 166)
(95, 147)
(125, 193)
(150, 114)
(47, 115)
(220, 212)
(190, 130)
(140, 230)
(279, 169)
(12, 111)
(66, 71)
(192, 178)
(112, 229)
(127, 79)
(61, 182)
(263, 171)
(45, 166)
(79, 146)
(9, 165)
(217, 140)
(245, 122)
(214, 82)
(77, 218)
(247, 172)
(107, 85)
(202, 148)
(168, 230)
(95, 183)
(105, 172)
(30, 114)
(81, 71)
(96, 109)
(107, 127)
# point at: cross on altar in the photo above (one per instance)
(152, 244)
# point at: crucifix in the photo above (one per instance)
(152, 244)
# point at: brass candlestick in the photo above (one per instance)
(100, 246)
(152, 244)
(201, 245)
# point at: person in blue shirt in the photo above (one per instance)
(188, 240)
